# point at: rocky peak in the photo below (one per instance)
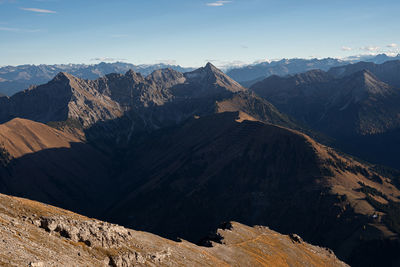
(164, 74)
(211, 68)
(211, 75)
(134, 75)
(165, 78)
(366, 82)
(365, 74)
(63, 76)
(207, 71)
(312, 76)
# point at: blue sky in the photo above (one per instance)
(192, 32)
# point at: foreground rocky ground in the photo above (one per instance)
(35, 234)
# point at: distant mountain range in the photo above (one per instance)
(15, 79)
(249, 75)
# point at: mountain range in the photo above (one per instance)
(250, 74)
(17, 78)
(163, 98)
(177, 154)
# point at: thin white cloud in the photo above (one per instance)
(392, 45)
(38, 10)
(218, 3)
(346, 48)
(9, 29)
(107, 59)
(370, 48)
(167, 62)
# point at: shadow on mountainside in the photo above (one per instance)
(76, 178)
(379, 148)
(185, 180)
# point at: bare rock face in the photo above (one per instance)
(97, 234)
(34, 234)
(65, 97)
(110, 97)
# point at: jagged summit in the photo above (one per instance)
(279, 83)
(366, 82)
(312, 76)
(211, 67)
(164, 73)
(212, 75)
(388, 72)
(132, 74)
(364, 74)
(63, 76)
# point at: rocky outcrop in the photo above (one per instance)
(34, 234)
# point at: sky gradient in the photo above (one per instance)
(192, 32)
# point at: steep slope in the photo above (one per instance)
(302, 96)
(361, 105)
(388, 72)
(34, 234)
(21, 137)
(183, 182)
(256, 107)
(65, 97)
(51, 166)
(209, 80)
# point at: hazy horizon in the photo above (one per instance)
(227, 66)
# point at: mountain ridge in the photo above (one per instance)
(250, 74)
(139, 103)
(17, 78)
